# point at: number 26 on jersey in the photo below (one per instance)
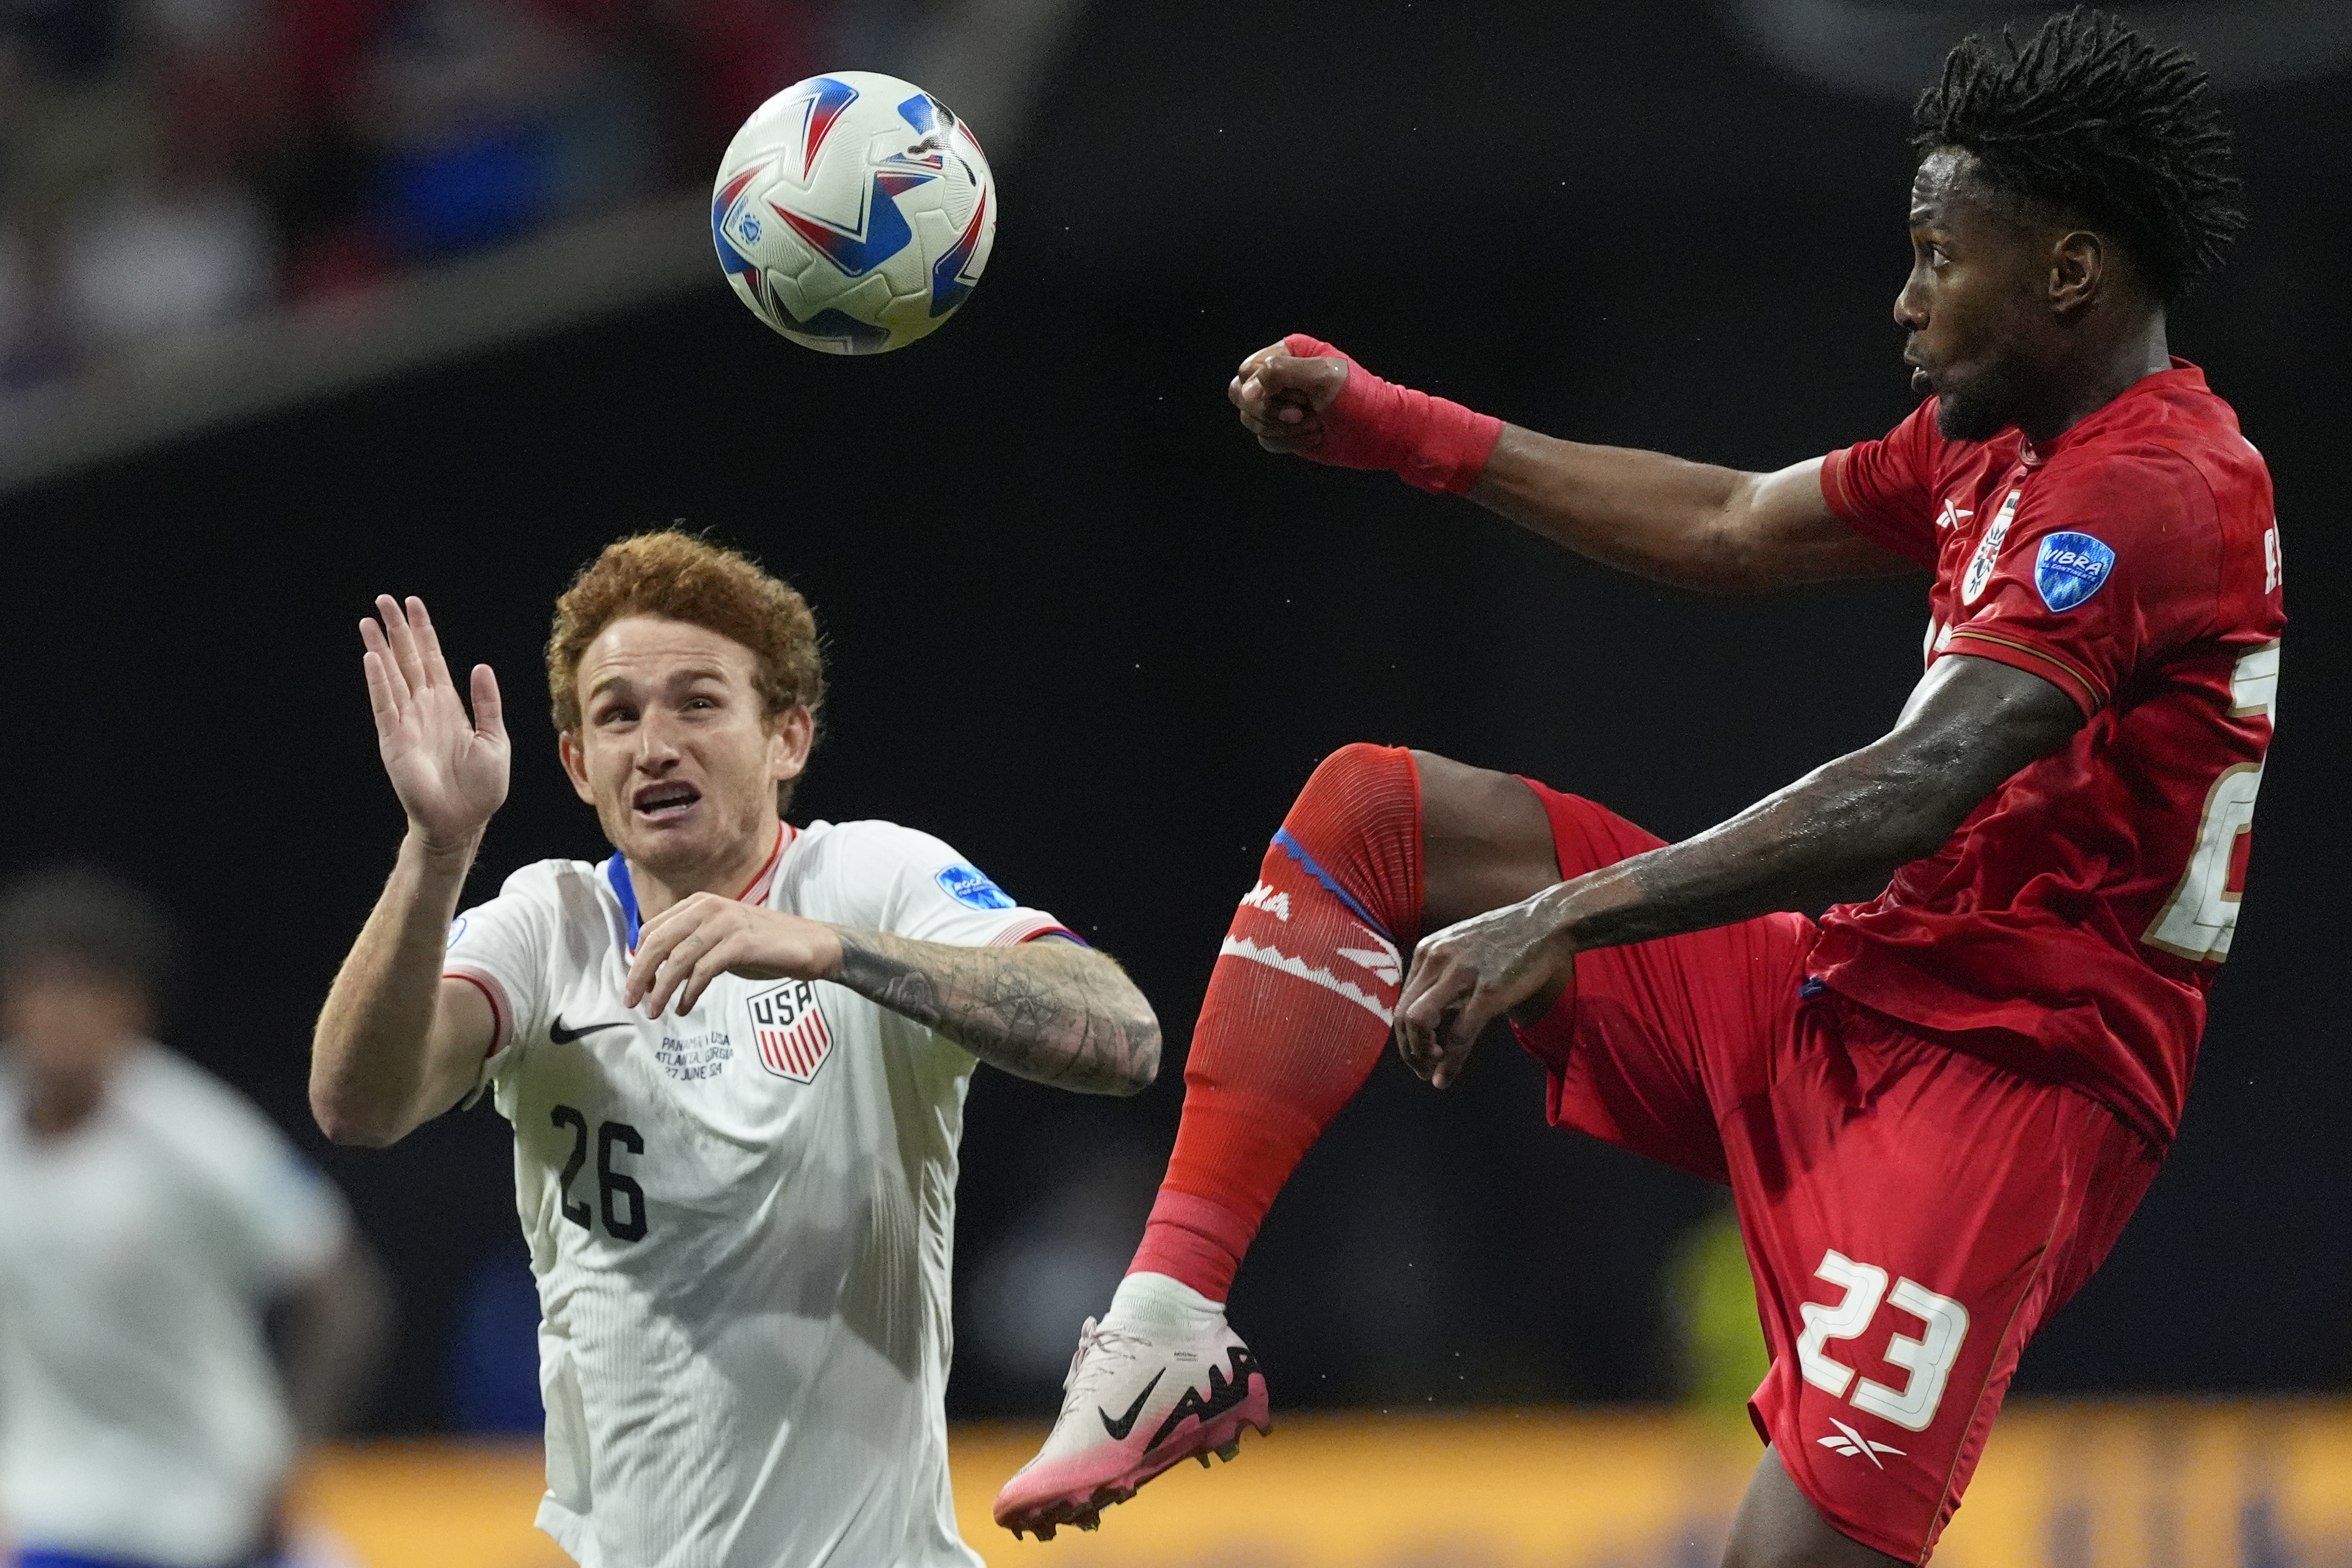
(621, 1202)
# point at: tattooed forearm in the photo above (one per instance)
(1971, 724)
(1048, 1011)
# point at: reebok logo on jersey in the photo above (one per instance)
(1263, 896)
(1223, 1396)
(1119, 1428)
(1847, 1441)
(967, 886)
(2071, 568)
(561, 1035)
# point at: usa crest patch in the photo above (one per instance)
(2071, 568)
(789, 1024)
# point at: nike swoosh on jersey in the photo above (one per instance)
(563, 1036)
(1119, 1428)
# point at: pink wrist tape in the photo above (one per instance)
(1430, 443)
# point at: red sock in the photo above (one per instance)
(1299, 1009)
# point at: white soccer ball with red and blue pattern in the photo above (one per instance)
(854, 212)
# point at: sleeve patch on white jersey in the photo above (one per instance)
(968, 885)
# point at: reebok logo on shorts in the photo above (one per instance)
(1847, 1441)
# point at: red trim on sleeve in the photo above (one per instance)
(1013, 936)
(1838, 496)
(1833, 487)
(2034, 660)
(500, 1027)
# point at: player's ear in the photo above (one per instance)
(790, 735)
(2078, 265)
(576, 764)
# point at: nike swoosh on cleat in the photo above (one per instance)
(563, 1036)
(1223, 1396)
(1119, 1428)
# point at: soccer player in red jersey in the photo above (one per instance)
(1936, 1109)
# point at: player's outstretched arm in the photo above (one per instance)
(396, 1045)
(1969, 725)
(1694, 525)
(1049, 1009)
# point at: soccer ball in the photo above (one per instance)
(852, 213)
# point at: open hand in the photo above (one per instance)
(1282, 395)
(449, 771)
(702, 936)
(1471, 973)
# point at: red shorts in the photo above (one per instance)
(1912, 1214)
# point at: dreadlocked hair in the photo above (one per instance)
(2088, 122)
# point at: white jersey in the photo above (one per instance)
(741, 1220)
(140, 1416)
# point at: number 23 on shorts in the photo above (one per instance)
(1928, 1358)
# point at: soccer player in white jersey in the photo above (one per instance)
(153, 1217)
(735, 1056)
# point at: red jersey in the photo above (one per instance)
(2071, 926)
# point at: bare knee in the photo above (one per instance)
(1461, 802)
(1485, 840)
(1777, 1527)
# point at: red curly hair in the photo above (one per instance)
(672, 574)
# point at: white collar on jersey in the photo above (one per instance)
(617, 871)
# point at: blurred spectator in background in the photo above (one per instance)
(157, 1230)
(483, 118)
(125, 133)
(167, 166)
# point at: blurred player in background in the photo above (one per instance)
(735, 1056)
(153, 1220)
(1935, 1110)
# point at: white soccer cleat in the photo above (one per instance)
(1142, 1395)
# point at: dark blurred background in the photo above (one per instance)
(1080, 627)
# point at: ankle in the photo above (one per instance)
(1163, 1301)
(1194, 1240)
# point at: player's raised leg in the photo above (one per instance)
(1382, 844)
(1776, 1528)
